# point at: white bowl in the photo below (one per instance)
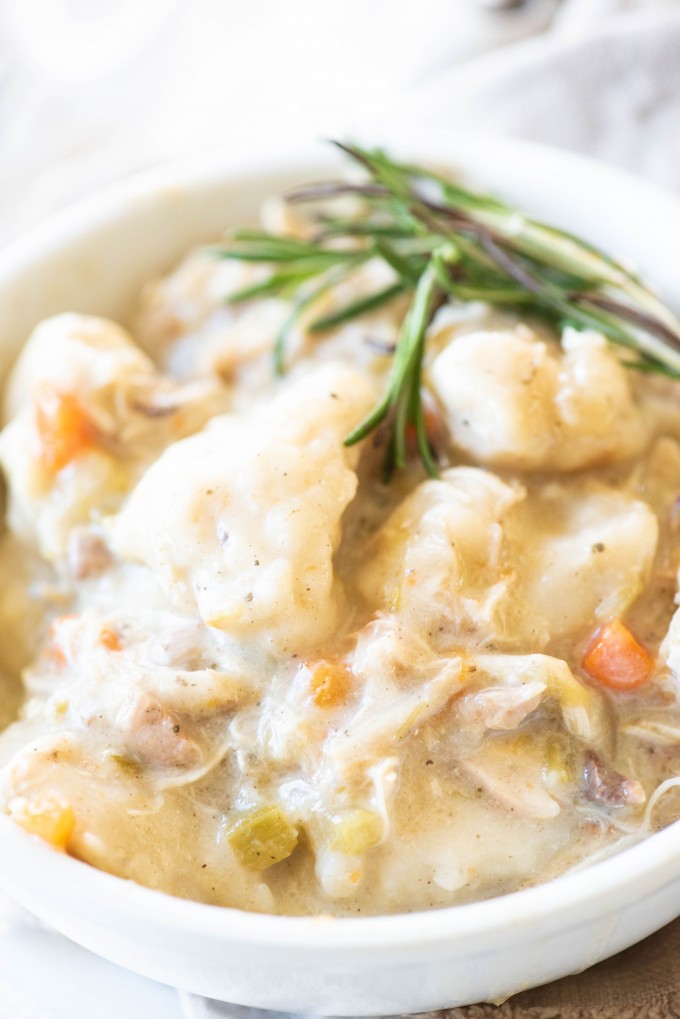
(92, 259)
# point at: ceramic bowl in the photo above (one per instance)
(93, 258)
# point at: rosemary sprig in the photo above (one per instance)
(359, 307)
(444, 241)
(402, 398)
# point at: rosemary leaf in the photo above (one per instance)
(402, 264)
(303, 302)
(358, 307)
(273, 285)
(405, 376)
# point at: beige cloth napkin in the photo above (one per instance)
(607, 86)
(640, 983)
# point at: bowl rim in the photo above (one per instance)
(624, 876)
(101, 206)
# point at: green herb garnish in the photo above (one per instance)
(446, 242)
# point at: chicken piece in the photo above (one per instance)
(87, 553)
(583, 708)
(89, 412)
(531, 772)
(373, 732)
(440, 563)
(604, 785)
(95, 668)
(497, 708)
(386, 647)
(517, 402)
(242, 520)
(518, 789)
(155, 735)
(463, 707)
(501, 692)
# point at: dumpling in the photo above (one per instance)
(514, 401)
(243, 519)
(440, 563)
(472, 561)
(88, 411)
(584, 551)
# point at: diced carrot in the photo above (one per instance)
(64, 431)
(110, 639)
(616, 659)
(61, 623)
(434, 426)
(55, 656)
(49, 816)
(329, 684)
(64, 632)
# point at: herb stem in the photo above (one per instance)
(442, 241)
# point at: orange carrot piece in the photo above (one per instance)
(64, 430)
(110, 639)
(434, 426)
(616, 659)
(329, 684)
(63, 639)
(55, 656)
(47, 815)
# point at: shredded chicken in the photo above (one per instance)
(156, 736)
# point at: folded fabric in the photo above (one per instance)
(610, 89)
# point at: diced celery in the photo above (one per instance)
(356, 831)
(127, 764)
(583, 708)
(262, 837)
